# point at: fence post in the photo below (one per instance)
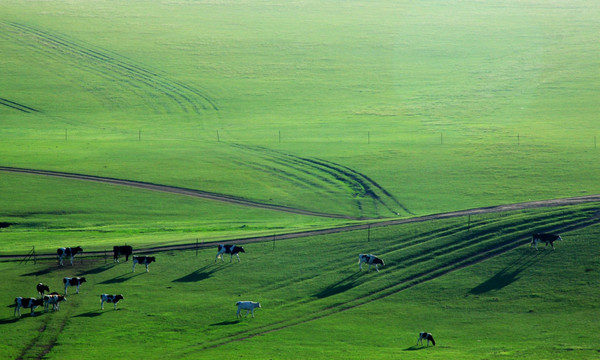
(196, 247)
(34, 257)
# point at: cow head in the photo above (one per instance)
(150, 259)
(77, 249)
(82, 280)
(378, 261)
(241, 249)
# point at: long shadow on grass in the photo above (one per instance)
(228, 322)
(508, 275)
(415, 348)
(90, 314)
(200, 274)
(97, 270)
(339, 287)
(121, 278)
(45, 271)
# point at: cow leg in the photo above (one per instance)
(252, 312)
(552, 243)
(133, 270)
(376, 267)
(77, 291)
(237, 314)
(147, 268)
(238, 257)
(102, 304)
(231, 258)
(115, 308)
(71, 260)
(360, 265)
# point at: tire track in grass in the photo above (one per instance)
(176, 190)
(473, 257)
(359, 185)
(113, 67)
(17, 106)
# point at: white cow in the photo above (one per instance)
(248, 306)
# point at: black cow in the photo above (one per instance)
(146, 260)
(41, 288)
(31, 303)
(67, 252)
(76, 281)
(110, 299)
(545, 238)
(370, 259)
(425, 336)
(122, 250)
(229, 249)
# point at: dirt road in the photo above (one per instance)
(233, 200)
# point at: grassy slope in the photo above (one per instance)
(509, 305)
(98, 216)
(324, 75)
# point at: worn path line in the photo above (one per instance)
(233, 200)
(176, 190)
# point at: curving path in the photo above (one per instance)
(239, 201)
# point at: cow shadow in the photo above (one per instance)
(339, 287)
(95, 271)
(506, 276)
(39, 272)
(200, 274)
(122, 278)
(90, 314)
(224, 323)
(415, 348)
(9, 320)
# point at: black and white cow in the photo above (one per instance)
(229, 249)
(110, 299)
(122, 250)
(248, 306)
(146, 260)
(370, 259)
(41, 288)
(425, 336)
(545, 238)
(76, 281)
(31, 303)
(70, 251)
(54, 300)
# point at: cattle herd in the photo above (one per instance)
(55, 299)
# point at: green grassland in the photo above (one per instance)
(367, 109)
(472, 103)
(481, 290)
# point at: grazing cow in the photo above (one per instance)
(248, 306)
(67, 252)
(545, 238)
(143, 260)
(41, 288)
(110, 299)
(122, 250)
(425, 336)
(31, 303)
(229, 249)
(76, 281)
(54, 300)
(369, 259)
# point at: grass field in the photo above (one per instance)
(368, 110)
(484, 293)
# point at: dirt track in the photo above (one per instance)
(233, 200)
